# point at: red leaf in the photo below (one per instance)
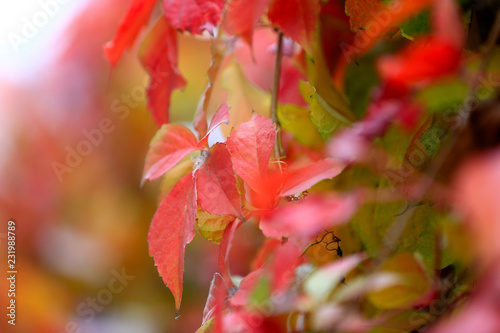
(240, 298)
(169, 146)
(135, 19)
(251, 145)
(216, 183)
(421, 61)
(216, 296)
(287, 258)
(243, 15)
(296, 18)
(220, 116)
(193, 15)
(171, 230)
(306, 219)
(265, 251)
(303, 178)
(158, 55)
(224, 250)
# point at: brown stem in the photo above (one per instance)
(278, 151)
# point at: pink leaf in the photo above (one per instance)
(287, 258)
(158, 55)
(303, 178)
(221, 116)
(193, 15)
(217, 291)
(216, 183)
(305, 220)
(225, 249)
(251, 145)
(171, 230)
(169, 146)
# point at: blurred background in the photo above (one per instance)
(74, 134)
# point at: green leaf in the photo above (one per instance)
(297, 121)
(212, 226)
(417, 25)
(361, 77)
(443, 96)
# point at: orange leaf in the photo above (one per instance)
(243, 15)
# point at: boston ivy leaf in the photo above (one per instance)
(296, 18)
(168, 147)
(135, 19)
(216, 183)
(302, 179)
(361, 12)
(297, 121)
(193, 15)
(221, 116)
(251, 145)
(212, 226)
(171, 230)
(243, 15)
(305, 220)
(217, 291)
(158, 55)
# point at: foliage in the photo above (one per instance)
(348, 121)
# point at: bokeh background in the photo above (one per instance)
(79, 226)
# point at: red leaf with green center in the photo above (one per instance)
(216, 183)
(169, 146)
(297, 19)
(193, 15)
(251, 145)
(158, 55)
(135, 19)
(171, 230)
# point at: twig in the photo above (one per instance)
(278, 152)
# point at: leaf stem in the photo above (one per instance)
(278, 149)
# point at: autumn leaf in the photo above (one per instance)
(212, 226)
(221, 116)
(216, 183)
(302, 179)
(286, 259)
(193, 16)
(135, 19)
(158, 55)
(242, 17)
(169, 146)
(225, 249)
(303, 221)
(216, 295)
(296, 18)
(251, 145)
(171, 230)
